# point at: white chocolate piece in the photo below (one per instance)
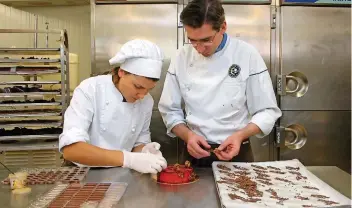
(24, 190)
(154, 176)
(18, 180)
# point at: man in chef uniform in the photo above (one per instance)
(225, 86)
(107, 122)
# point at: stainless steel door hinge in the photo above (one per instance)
(279, 137)
(273, 17)
(298, 84)
(293, 136)
(281, 84)
(273, 21)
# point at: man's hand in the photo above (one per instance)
(193, 146)
(229, 148)
(152, 148)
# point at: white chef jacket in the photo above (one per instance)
(98, 116)
(216, 104)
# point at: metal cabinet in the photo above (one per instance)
(314, 85)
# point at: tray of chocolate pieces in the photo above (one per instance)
(87, 195)
(52, 175)
(272, 184)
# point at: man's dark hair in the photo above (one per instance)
(199, 12)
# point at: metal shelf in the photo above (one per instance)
(30, 145)
(33, 113)
(29, 137)
(23, 114)
(34, 72)
(21, 94)
(28, 124)
(29, 82)
(29, 104)
(4, 60)
(30, 51)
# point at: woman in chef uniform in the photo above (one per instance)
(225, 86)
(107, 122)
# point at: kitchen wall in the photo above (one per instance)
(15, 18)
(75, 19)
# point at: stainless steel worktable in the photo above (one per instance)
(143, 192)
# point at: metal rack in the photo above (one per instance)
(38, 110)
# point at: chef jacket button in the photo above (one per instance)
(104, 129)
(107, 103)
(133, 129)
(190, 113)
(191, 65)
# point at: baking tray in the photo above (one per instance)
(11, 60)
(29, 82)
(278, 184)
(29, 113)
(21, 94)
(97, 195)
(30, 124)
(29, 104)
(30, 145)
(34, 72)
(30, 51)
(52, 175)
(29, 137)
(28, 70)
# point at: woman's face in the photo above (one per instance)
(133, 87)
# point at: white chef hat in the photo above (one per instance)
(140, 57)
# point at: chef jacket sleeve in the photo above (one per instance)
(170, 101)
(78, 116)
(261, 100)
(144, 136)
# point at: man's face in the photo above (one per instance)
(134, 87)
(204, 39)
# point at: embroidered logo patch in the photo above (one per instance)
(234, 70)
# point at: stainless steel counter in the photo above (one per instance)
(142, 191)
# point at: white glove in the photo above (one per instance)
(143, 162)
(152, 148)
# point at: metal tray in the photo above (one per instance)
(30, 145)
(30, 51)
(290, 189)
(15, 115)
(29, 137)
(29, 82)
(29, 104)
(3, 60)
(34, 72)
(29, 124)
(21, 94)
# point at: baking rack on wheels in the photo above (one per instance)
(32, 105)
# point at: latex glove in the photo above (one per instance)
(152, 148)
(143, 162)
